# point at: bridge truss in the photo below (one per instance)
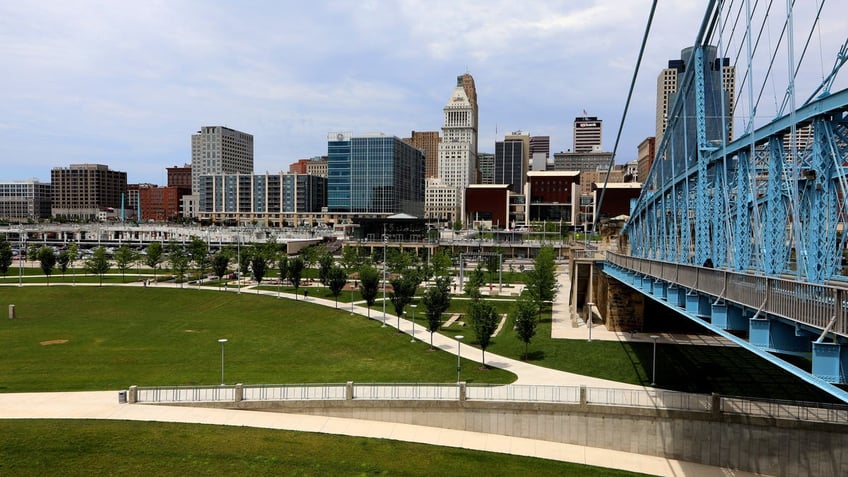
(772, 202)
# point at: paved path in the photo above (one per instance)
(104, 405)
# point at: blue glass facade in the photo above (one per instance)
(379, 175)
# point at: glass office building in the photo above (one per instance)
(374, 174)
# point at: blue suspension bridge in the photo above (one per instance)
(741, 223)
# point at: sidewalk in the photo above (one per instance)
(104, 405)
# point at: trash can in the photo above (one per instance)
(11, 312)
(122, 397)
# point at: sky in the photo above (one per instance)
(127, 83)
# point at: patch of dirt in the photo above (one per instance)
(52, 342)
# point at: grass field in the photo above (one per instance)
(84, 448)
(84, 338)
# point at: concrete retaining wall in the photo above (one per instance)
(754, 444)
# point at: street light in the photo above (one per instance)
(654, 363)
(385, 239)
(458, 354)
(222, 341)
(413, 323)
(351, 301)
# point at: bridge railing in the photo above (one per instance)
(574, 395)
(808, 303)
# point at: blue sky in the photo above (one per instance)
(127, 83)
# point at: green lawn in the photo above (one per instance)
(84, 338)
(92, 447)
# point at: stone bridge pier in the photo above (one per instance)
(620, 307)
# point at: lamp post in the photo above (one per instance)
(654, 362)
(21, 253)
(222, 341)
(351, 301)
(385, 239)
(238, 259)
(413, 323)
(458, 354)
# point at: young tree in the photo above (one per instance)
(476, 280)
(73, 255)
(98, 264)
(403, 291)
(295, 271)
(437, 300)
(247, 253)
(5, 256)
(124, 257)
(493, 263)
(541, 281)
(440, 263)
(260, 266)
(369, 285)
(350, 259)
(484, 320)
(179, 261)
(198, 250)
(325, 264)
(283, 266)
(47, 257)
(220, 264)
(524, 317)
(336, 279)
(63, 260)
(154, 257)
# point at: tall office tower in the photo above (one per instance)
(220, 150)
(24, 200)
(512, 160)
(719, 89)
(81, 190)
(486, 165)
(719, 73)
(458, 149)
(587, 133)
(540, 144)
(374, 174)
(471, 91)
(428, 141)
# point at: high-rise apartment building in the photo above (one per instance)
(82, 190)
(220, 150)
(427, 141)
(458, 149)
(374, 174)
(24, 200)
(587, 134)
(719, 76)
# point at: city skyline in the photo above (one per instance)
(128, 84)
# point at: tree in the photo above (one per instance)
(476, 279)
(403, 290)
(47, 257)
(63, 260)
(484, 320)
(98, 264)
(493, 263)
(437, 300)
(220, 263)
(325, 264)
(73, 255)
(336, 279)
(5, 256)
(295, 271)
(244, 261)
(124, 256)
(369, 285)
(283, 266)
(524, 317)
(154, 257)
(179, 261)
(350, 259)
(440, 263)
(541, 281)
(260, 266)
(198, 250)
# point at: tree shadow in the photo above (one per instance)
(538, 355)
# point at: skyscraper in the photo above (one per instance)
(587, 133)
(458, 149)
(220, 150)
(512, 160)
(374, 174)
(81, 190)
(719, 74)
(428, 141)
